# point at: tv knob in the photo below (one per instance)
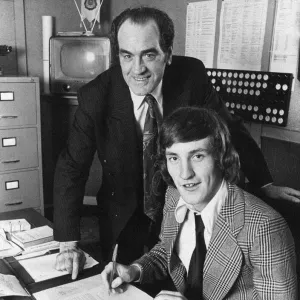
(66, 87)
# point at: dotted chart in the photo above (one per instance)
(261, 97)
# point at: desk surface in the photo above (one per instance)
(30, 214)
(36, 220)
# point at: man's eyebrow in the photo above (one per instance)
(190, 152)
(153, 50)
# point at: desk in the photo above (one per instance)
(36, 220)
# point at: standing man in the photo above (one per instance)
(116, 113)
(217, 241)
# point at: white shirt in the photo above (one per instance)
(140, 107)
(186, 241)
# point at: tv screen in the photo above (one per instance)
(76, 60)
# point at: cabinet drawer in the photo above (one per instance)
(19, 190)
(18, 149)
(17, 104)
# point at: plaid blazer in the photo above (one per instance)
(251, 254)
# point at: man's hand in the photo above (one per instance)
(169, 295)
(70, 258)
(281, 192)
(123, 274)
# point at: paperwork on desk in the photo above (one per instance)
(10, 286)
(91, 288)
(7, 248)
(46, 269)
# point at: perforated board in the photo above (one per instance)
(261, 97)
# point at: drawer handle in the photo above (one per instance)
(10, 161)
(14, 203)
(8, 117)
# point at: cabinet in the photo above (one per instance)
(21, 182)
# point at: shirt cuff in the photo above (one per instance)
(266, 185)
(67, 245)
(141, 271)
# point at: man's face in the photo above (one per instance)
(194, 172)
(142, 60)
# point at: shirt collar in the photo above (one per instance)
(211, 211)
(138, 100)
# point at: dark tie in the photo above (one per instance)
(152, 205)
(195, 273)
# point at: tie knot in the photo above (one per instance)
(199, 224)
(150, 100)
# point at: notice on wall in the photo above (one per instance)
(201, 30)
(242, 32)
(285, 44)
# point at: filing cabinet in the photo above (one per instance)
(21, 182)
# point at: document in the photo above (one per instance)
(10, 286)
(91, 288)
(46, 269)
(7, 248)
(242, 32)
(285, 44)
(201, 31)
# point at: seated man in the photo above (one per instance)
(217, 241)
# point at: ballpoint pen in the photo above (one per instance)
(114, 258)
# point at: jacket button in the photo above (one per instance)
(104, 161)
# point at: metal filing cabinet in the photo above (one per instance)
(21, 183)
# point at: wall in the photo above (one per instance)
(67, 19)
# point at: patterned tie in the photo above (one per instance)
(152, 204)
(195, 274)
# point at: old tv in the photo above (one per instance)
(75, 60)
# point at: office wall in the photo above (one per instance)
(67, 19)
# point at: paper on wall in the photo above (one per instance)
(285, 44)
(242, 32)
(201, 31)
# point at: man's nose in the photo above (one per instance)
(139, 66)
(186, 170)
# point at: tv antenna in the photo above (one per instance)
(89, 32)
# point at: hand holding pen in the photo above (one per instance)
(114, 262)
(115, 274)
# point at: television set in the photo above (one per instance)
(75, 60)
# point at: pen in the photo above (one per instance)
(114, 258)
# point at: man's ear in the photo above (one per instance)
(169, 55)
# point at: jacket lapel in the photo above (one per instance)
(176, 269)
(224, 257)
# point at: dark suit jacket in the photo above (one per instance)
(105, 122)
(251, 253)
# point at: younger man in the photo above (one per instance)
(244, 251)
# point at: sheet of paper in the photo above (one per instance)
(10, 286)
(285, 44)
(7, 248)
(91, 288)
(46, 265)
(200, 30)
(242, 32)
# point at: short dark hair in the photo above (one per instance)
(141, 15)
(187, 124)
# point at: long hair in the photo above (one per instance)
(141, 15)
(187, 124)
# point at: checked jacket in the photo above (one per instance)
(251, 253)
